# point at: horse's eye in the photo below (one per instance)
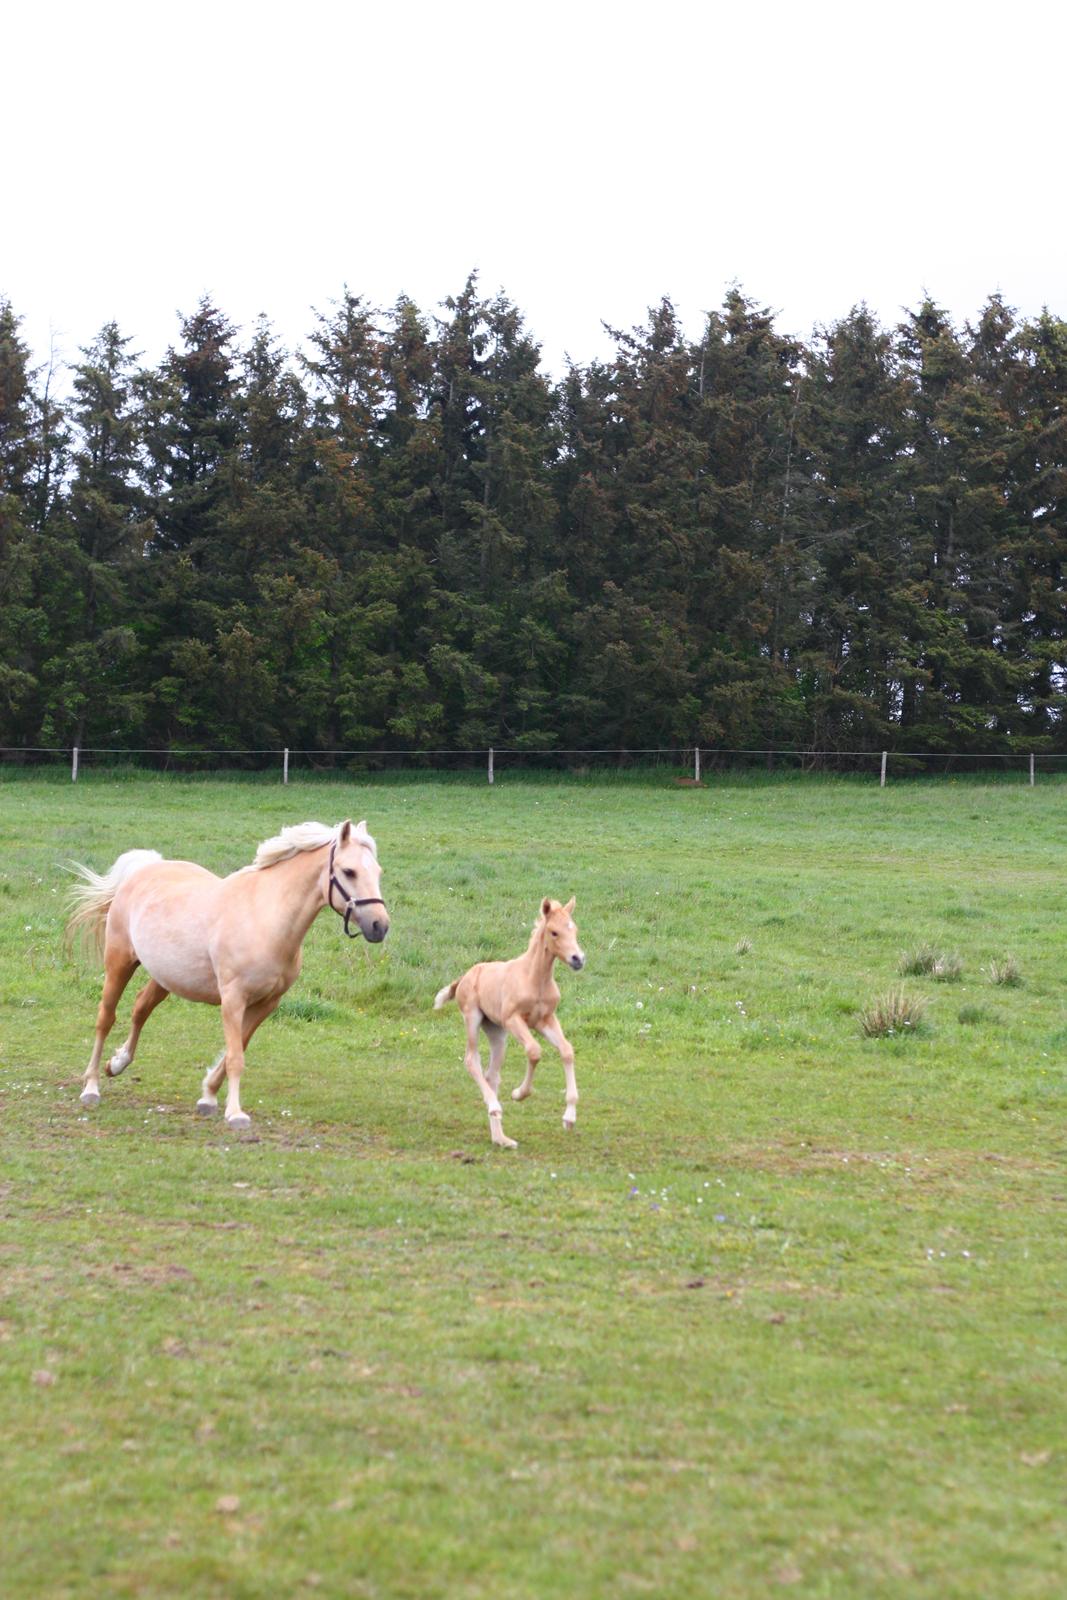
(553, 932)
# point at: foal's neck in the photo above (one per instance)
(539, 957)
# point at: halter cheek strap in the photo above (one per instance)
(350, 903)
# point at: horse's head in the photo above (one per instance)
(355, 881)
(561, 934)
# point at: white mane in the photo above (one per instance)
(305, 836)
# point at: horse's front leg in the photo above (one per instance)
(518, 1027)
(208, 1102)
(555, 1035)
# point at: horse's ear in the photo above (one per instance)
(569, 907)
(546, 906)
(361, 827)
(345, 831)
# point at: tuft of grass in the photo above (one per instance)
(892, 1014)
(947, 969)
(305, 1008)
(971, 1016)
(920, 962)
(743, 947)
(1005, 970)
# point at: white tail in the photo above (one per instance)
(91, 898)
(445, 995)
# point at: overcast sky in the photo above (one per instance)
(586, 157)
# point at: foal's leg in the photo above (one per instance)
(208, 1102)
(498, 1043)
(120, 964)
(517, 1026)
(152, 995)
(473, 1061)
(555, 1035)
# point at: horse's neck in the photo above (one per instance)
(299, 890)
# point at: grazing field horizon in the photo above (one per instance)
(786, 1310)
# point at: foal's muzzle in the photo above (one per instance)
(577, 960)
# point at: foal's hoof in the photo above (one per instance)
(89, 1098)
(521, 1093)
(240, 1119)
(568, 1123)
(207, 1108)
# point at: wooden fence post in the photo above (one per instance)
(1031, 769)
(885, 754)
(285, 765)
(696, 763)
(74, 765)
(490, 764)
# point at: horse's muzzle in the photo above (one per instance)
(375, 929)
(577, 961)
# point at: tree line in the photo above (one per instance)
(411, 536)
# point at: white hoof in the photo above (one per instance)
(521, 1093)
(504, 1143)
(119, 1062)
(569, 1121)
(89, 1098)
(240, 1119)
(206, 1107)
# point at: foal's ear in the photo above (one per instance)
(569, 907)
(346, 831)
(546, 906)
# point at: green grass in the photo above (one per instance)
(786, 1312)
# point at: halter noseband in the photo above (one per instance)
(351, 904)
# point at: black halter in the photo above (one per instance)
(350, 903)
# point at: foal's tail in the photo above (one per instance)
(91, 899)
(445, 995)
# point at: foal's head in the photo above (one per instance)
(560, 932)
(359, 880)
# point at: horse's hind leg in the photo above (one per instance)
(473, 1061)
(152, 995)
(120, 964)
(498, 1043)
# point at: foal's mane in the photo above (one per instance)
(305, 836)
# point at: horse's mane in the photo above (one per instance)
(305, 836)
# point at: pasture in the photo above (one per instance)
(785, 1313)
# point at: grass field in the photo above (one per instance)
(786, 1313)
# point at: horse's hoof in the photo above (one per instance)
(89, 1099)
(118, 1063)
(568, 1124)
(240, 1119)
(520, 1093)
(504, 1143)
(207, 1108)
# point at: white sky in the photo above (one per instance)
(586, 157)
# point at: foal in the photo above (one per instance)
(503, 997)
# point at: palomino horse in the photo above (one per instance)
(234, 942)
(503, 997)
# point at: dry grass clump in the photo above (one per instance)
(892, 1014)
(927, 962)
(1006, 970)
(742, 947)
(918, 963)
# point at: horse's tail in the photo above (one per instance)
(90, 900)
(445, 995)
